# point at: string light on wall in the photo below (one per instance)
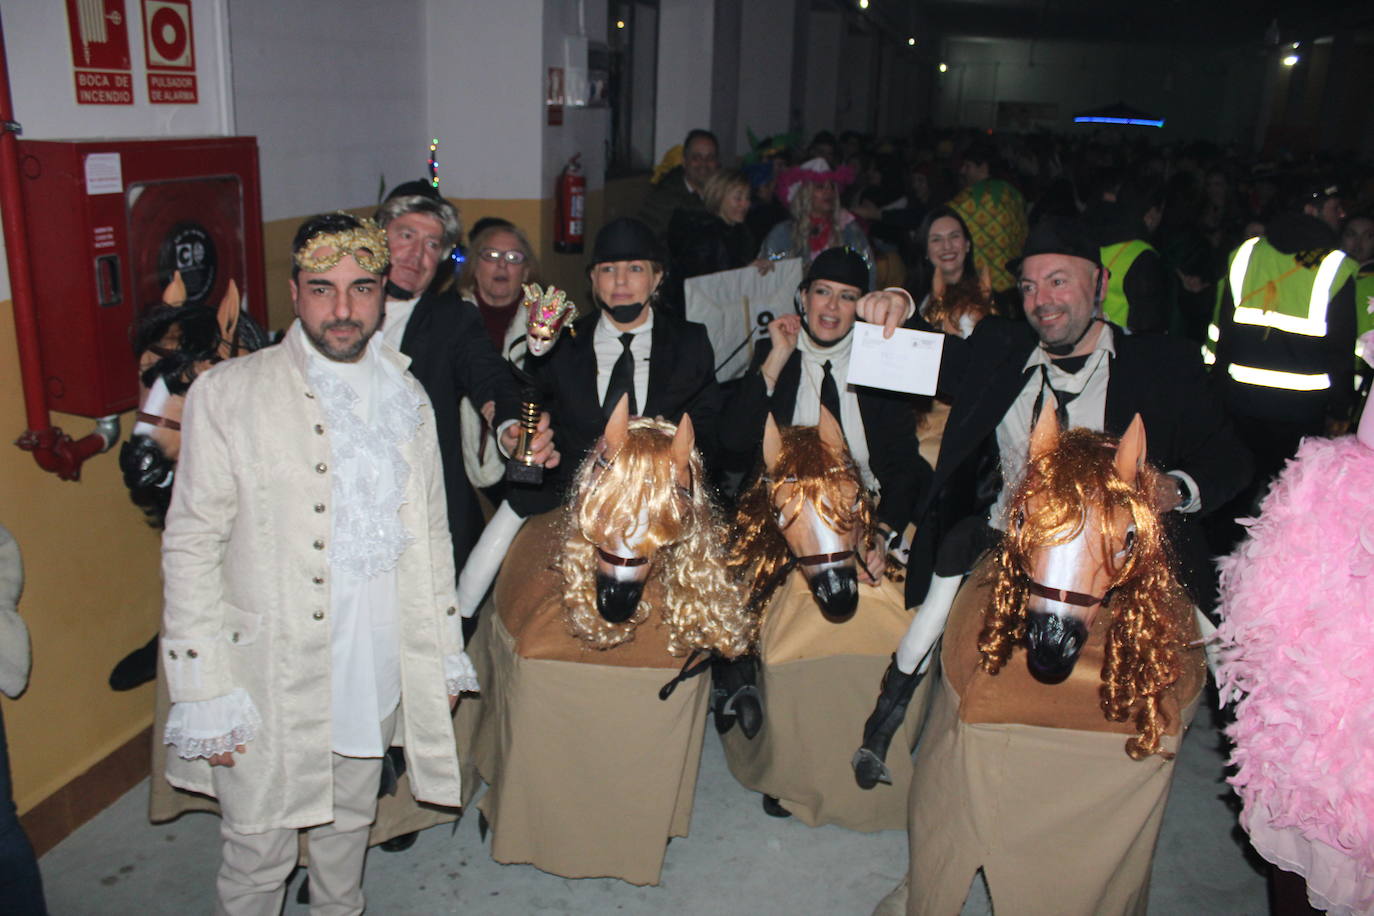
(863, 4)
(1290, 60)
(620, 23)
(434, 162)
(911, 42)
(944, 67)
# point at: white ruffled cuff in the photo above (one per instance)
(459, 674)
(203, 728)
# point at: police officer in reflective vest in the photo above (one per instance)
(1283, 335)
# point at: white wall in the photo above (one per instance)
(824, 58)
(584, 130)
(484, 75)
(334, 95)
(765, 69)
(686, 42)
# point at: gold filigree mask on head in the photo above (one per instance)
(366, 244)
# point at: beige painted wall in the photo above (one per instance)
(92, 594)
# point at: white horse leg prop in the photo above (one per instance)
(928, 624)
(1211, 651)
(485, 559)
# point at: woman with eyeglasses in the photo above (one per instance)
(500, 262)
(628, 346)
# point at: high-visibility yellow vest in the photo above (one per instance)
(1273, 293)
(1364, 319)
(1118, 259)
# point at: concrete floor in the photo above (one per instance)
(737, 860)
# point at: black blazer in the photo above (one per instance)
(681, 380)
(889, 430)
(452, 356)
(1159, 377)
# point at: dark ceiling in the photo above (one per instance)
(1224, 23)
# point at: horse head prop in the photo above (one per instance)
(173, 343)
(1083, 539)
(640, 510)
(808, 509)
(957, 309)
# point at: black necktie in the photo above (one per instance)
(830, 392)
(622, 379)
(1062, 399)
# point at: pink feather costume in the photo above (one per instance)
(1298, 649)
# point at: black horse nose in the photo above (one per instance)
(837, 592)
(616, 601)
(1052, 645)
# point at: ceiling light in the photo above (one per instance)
(1290, 60)
(911, 42)
(944, 68)
(863, 4)
(620, 23)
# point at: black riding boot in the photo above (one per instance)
(893, 699)
(735, 695)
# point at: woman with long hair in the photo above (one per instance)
(812, 191)
(949, 286)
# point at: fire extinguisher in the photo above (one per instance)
(570, 196)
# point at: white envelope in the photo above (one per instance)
(909, 361)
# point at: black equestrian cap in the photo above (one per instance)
(839, 265)
(626, 239)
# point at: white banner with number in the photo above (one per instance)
(736, 305)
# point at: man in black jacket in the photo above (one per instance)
(1099, 376)
(450, 352)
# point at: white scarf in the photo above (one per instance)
(807, 411)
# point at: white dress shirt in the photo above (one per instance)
(606, 344)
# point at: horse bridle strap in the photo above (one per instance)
(816, 559)
(1066, 596)
(155, 420)
(621, 561)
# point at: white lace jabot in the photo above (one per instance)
(368, 534)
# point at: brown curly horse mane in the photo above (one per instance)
(1144, 642)
(759, 555)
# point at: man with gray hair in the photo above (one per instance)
(450, 352)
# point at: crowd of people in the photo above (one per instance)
(310, 578)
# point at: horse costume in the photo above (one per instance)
(823, 638)
(953, 310)
(1297, 601)
(1068, 656)
(590, 756)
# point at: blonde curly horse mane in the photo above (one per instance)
(700, 605)
(759, 555)
(1144, 642)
